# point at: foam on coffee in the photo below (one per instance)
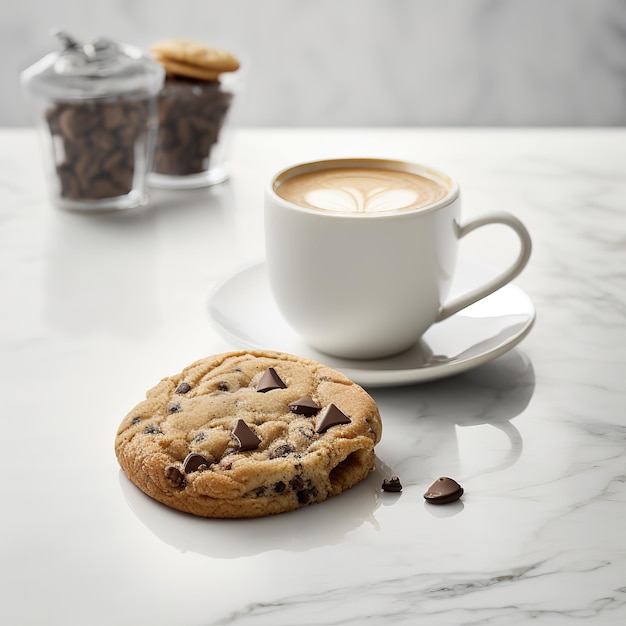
(360, 190)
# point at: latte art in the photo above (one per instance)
(354, 200)
(361, 190)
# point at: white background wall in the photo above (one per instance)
(366, 62)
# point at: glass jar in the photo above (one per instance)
(96, 107)
(193, 142)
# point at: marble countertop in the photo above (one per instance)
(96, 309)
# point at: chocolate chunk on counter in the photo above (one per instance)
(332, 416)
(244, 435)
(304, 406)
(270, 380)
(393, 485)
(443, 491)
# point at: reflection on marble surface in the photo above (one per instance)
(321, 526)
(86, 292)
(493, 395)
(536, 437)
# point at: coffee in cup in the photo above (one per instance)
(360, 190)
(361, 253)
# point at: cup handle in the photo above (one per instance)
(502, 279)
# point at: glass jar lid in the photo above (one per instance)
(93, 70)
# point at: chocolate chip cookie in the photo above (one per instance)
(247, 434)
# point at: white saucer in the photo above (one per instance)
(243, 311)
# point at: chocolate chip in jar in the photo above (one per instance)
(193, 110)
(93, 161)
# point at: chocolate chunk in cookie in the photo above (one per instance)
(332, 416)
(246, 439)
(270, 380)
(193, 462)
(304, 406)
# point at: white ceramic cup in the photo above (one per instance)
(368, 285)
